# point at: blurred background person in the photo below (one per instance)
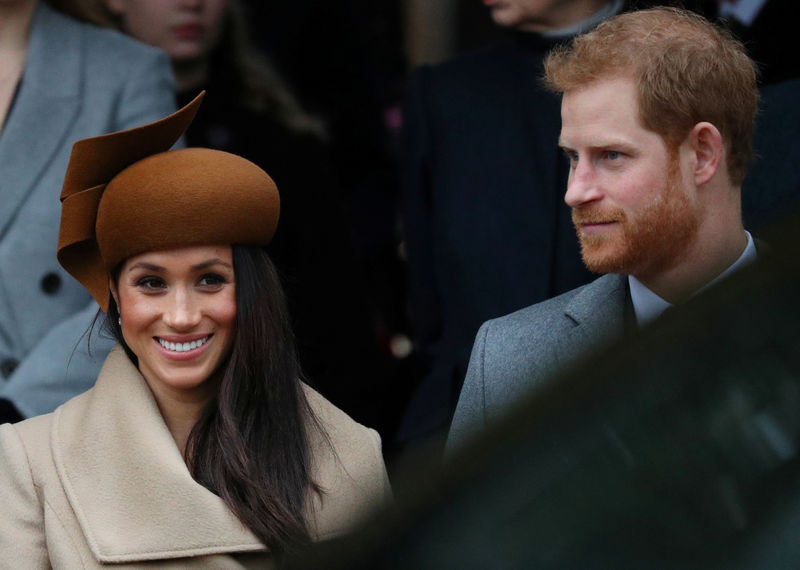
(60, 80)
(485, 226)
(251, 111)
(765, 27)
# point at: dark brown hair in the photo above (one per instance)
(251, 446)
(686, 69)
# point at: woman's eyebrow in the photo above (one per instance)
(210, 263)
(147, 266)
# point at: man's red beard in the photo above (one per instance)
(642, 243)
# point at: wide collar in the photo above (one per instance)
(127, 482)
(48, 99)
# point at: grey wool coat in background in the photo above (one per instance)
(79, 81)
(516, 353)
(102, 481)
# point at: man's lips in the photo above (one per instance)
(589, 227)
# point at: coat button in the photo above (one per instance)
(51, 283)
(7, 367)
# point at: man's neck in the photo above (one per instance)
(705, 261)
(648, 305)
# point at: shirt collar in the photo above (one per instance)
(648, 306)
(745, 11)
(610, 9)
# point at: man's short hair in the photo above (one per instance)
(686, 69)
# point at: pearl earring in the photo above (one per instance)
(119, 321)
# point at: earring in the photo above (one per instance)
(119, 321)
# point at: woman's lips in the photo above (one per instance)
(184, 347)
(188, 32)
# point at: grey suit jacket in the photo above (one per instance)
(79, 81)
(516, 353)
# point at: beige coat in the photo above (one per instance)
(101, 480)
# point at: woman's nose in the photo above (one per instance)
(183, 312)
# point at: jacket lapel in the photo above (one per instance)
(598, 314)
(47, 102)
(127, 482)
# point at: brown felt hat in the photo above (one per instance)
(126, 193)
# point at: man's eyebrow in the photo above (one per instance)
(600, 144)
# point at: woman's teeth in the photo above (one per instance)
(183, 346)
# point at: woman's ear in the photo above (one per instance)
(708, 149)
(114, 292)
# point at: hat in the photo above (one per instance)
(126, 193)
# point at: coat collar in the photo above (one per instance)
(598, 314)
(156, 510)
(48, 99)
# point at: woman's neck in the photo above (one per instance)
(15, 24)
(190, 74)
(181, 411)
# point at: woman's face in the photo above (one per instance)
(177, 311)
(185, 29)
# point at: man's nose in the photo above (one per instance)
(582, 186)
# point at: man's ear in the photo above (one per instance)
(705, 141)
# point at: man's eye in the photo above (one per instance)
(612, 155)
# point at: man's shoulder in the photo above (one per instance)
(555, 310)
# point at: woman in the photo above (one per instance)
(198, 443)
(250, 110)
(60, 81)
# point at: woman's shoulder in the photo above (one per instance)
(27, 441)
(348, 468)
(338, 425)
(112, 42)
(35, 432)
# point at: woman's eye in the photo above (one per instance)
(151, 283)
(212, 280)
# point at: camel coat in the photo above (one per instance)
(101, 480)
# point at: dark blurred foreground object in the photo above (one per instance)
(677, 449)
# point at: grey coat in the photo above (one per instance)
(515, 353)
(79, 81)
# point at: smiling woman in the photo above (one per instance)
(199, 423)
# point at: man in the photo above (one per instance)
(485, 228)
(658, 112)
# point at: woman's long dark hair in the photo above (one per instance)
(251, 444)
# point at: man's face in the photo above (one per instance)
(541, 15)
(630, 205)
